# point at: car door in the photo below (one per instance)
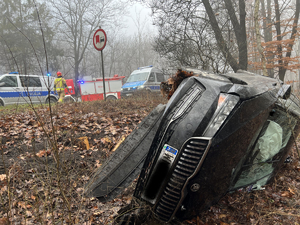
(32, 87)
(152, 81)
(159, 78)
(10, 90)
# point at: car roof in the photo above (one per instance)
(148, 69)
(31, 75)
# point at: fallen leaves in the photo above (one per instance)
(36, 193)
(288, 193)
(98, 164)
(24, 205)
(43, 153)
(106, 140)
(2, 177)
(4, 221)
(84, 142)
(118, 144)
(84, 139)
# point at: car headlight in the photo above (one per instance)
(121, 89)
(141, 87)
(226, 103)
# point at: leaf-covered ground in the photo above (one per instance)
(48, 155)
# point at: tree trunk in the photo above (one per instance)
(76, 71)
(220, 39)
(242, 39)
(258, 39)
(267, 29)
(239, 30)
(279, 38)
(282, 70)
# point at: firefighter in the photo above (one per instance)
(59, 86)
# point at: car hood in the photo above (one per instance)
(133, 84)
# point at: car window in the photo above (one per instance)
(10, 81)
(151, 77)
(28, 81)
(134, 77)
(259, 164)
(160, 77)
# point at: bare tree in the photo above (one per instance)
(204, 34)
(79, 19)
(18, 26)
(283, 61)
(239, 29)
(126, 53)
(279, 25)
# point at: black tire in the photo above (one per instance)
(51, 100)
(1, 103)
(68, 99)
(111, 97)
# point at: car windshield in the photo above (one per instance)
(137, 77)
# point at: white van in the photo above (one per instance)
(144, 78)
(20, 89)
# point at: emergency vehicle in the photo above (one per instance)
(144, 78)
(18, 88)
(92, 89)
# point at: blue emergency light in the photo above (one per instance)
(48, 74)
(13, 73)
(145, 67)
(81, 81)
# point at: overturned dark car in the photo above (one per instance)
(218, 133)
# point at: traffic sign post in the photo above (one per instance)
(99, 41)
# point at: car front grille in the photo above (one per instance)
(190, 161)
(128, 89)
(169, 124)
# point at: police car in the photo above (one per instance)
(20, 89)
(144, 78)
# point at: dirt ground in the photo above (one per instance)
(48, 155)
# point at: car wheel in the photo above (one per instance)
(51, 100)
(69, 99)
(1, 103)
(111, 97)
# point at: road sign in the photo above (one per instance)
(99, 39)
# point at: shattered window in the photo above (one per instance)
(259, 164)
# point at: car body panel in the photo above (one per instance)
(28, 88)
(209, 141)
(188, 187)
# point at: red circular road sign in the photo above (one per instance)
(99, 39)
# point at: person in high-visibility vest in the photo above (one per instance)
(59, 86)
